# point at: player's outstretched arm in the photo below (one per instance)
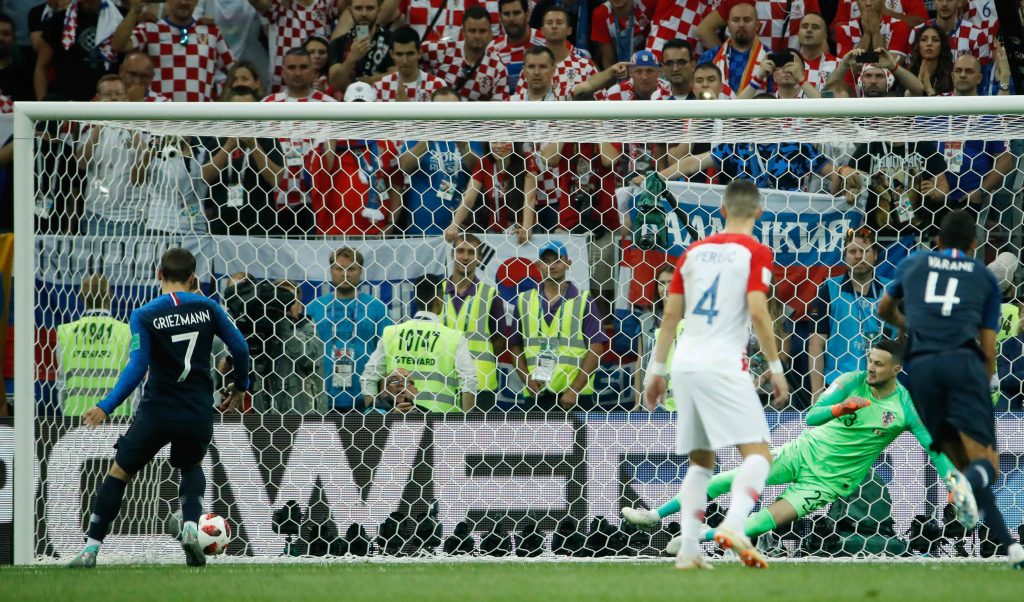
(836, 401)
(131, 377)
(226, 330)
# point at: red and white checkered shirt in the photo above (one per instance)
(553, 181)
(418, 91)
(983, 14)
(895, 33)
(419, 13)
(848, 9)
(446, 60)
(152, 96)
(191, 62)
(820, 69)
(604, 24)
(572, 71)
(6, 104)
(966, 38)
(624, 91)
(300, 156)
(776, 17)
(502, 64)
(289, 24)
(678, 19)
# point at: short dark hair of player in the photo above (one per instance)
(680, 44)
(348, 253)
(445, 91)
(5, 18)
(405, 35)
(177, 265)
(475, 12)
(535, 50)
(428, 289)
(891, 347)
(708, 66)
(957, 231)
(742, 199)
(523, 3)
(242, 92)
(297, 51)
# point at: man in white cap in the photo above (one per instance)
(360, 92)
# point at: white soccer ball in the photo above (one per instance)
(214, 534)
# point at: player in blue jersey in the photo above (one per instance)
(950, 314)
(171, 338)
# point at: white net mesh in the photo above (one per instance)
(266, 206)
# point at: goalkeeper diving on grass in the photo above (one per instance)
(856, 419)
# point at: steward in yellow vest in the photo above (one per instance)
(435, 356)
(558, 340)
(92, 351)
(475, 309)
(669, 403)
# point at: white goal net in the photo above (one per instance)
(315, 226)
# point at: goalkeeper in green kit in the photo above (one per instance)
(856, 419)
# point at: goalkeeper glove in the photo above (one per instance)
(849, 406)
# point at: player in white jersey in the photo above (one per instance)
(725, 278)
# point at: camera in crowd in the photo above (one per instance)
(649, 225)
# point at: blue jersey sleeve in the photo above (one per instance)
(895, 288)
(232, 337)
(992, 314)
(135, 371)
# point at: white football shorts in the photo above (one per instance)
(716, 410)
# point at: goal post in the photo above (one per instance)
(505, 465)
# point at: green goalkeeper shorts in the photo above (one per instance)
(807, 491)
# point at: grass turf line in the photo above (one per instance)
(595, 582)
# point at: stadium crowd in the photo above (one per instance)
(130, 184)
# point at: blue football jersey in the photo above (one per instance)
(947, 297)
(172, 338)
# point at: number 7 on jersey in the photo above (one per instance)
(190, 338)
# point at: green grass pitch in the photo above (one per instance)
(466, 581)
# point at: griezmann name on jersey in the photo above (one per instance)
(716, 274)
(947, 297)
(172, 338)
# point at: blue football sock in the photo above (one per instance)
(992, 517)
(980, 474)
(106, 506)
(190, 493)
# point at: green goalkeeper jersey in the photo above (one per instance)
(842, 450)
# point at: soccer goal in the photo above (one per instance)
(315, 224)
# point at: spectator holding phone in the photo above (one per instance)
(364, 52)
(877, 82)
(786, 70)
